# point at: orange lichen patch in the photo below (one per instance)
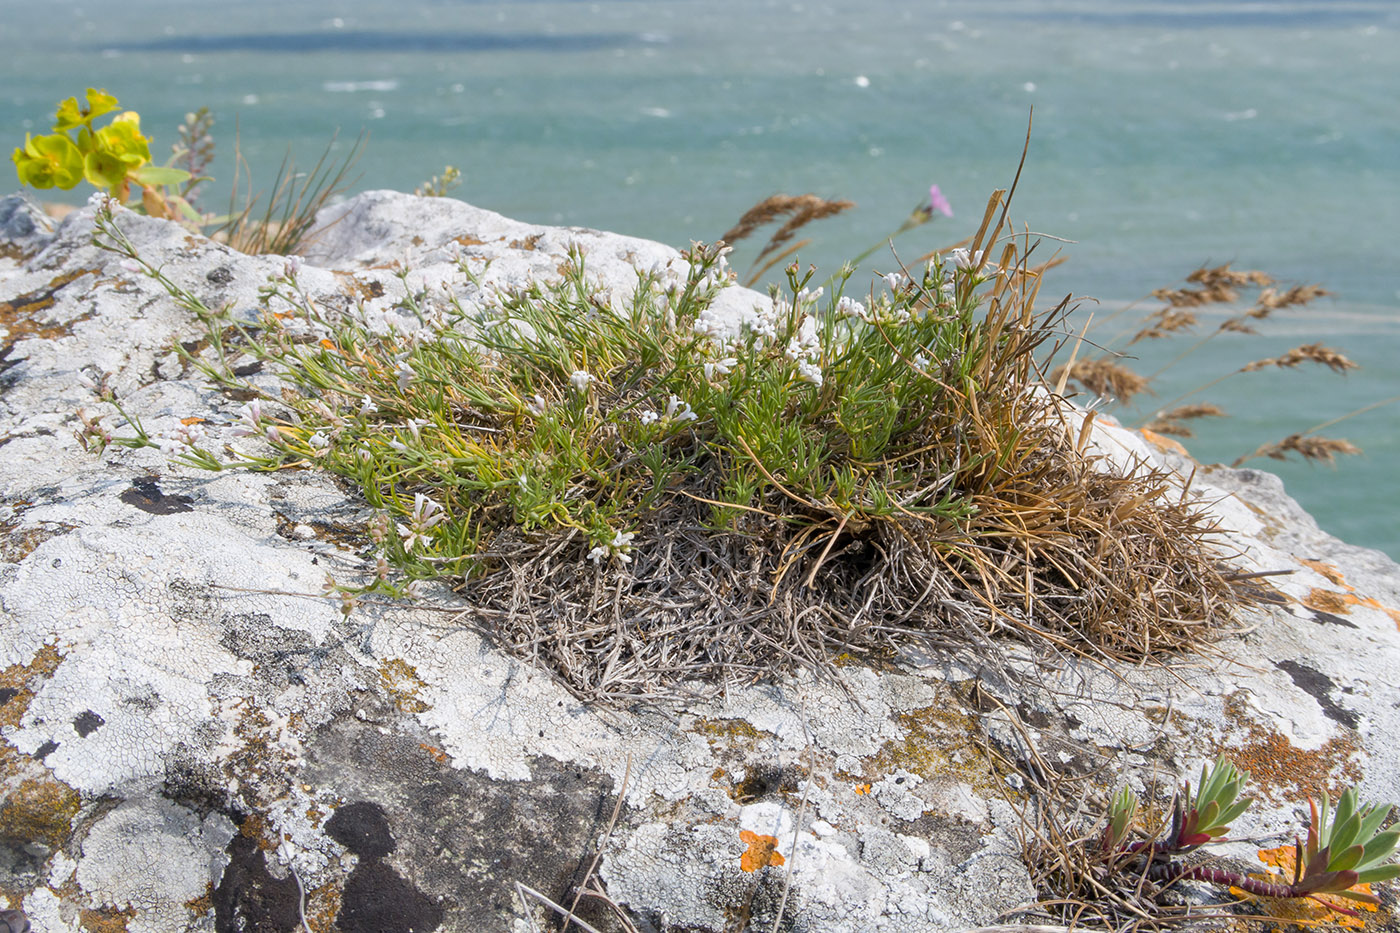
(1328, 601)
(16, 545)
(199, 906)
(1330, 571)
(106, 919)
(761, 853)
(528, 243)
(256, 828)
(1282, 772)
(862, 789)
(400, 679)
(360, 288)
(18, 682)
(467, 239)
(435, 753)
(17, 315)
(1301, 910)
(322, 907)
(1162, 443)
(1337, 603)
(38, 809)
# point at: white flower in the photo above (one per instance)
(805, 343)
(807, 296)
(896, 280)
(536, 406)
(413, 424)
(720, 368)
(809, 372)
(426, 514)
(920, 361)
(185, 437)
(367, 407)
(292, 267)
(318, 441)
(273, 435)
(618, 548)
(676, 410)
(581, 380)
(249, 417)
(966, 259)
(648, 417)
(849, 307)
(405, 374)
(399, 446)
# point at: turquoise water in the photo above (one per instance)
(1166, 134)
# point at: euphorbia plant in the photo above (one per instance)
(1345, 848)
(112, 158)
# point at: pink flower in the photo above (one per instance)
(938, 204)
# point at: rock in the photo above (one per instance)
(193, 739)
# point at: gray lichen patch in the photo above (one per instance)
(457, 838)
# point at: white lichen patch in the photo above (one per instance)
(153, 856)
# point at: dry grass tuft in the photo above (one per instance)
(800, 211)
(1104, 378)
(1315, 449)
(1056, 552)
(1163, 324)
(1230, 278)
(1170, 422)
(1308, 353)
(1196, 297)
(1272, 299)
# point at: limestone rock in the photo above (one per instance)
(191, 738)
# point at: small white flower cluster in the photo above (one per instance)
(719, 275)
(805, 349)
(967, 261)
(617, 548)
(185, 437)
(676, 410)
(405, 374)
(848, 307)
(666, 278)
(249, 420)
(426, 514)
(581, 380)
(537, 406)
(720, 368)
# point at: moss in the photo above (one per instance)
(939, 741)
(401, 681)
(731, 729)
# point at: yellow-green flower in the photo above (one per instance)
(46, 161)
(70, 115)
(114, 152)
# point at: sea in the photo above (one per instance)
(1164, 135)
